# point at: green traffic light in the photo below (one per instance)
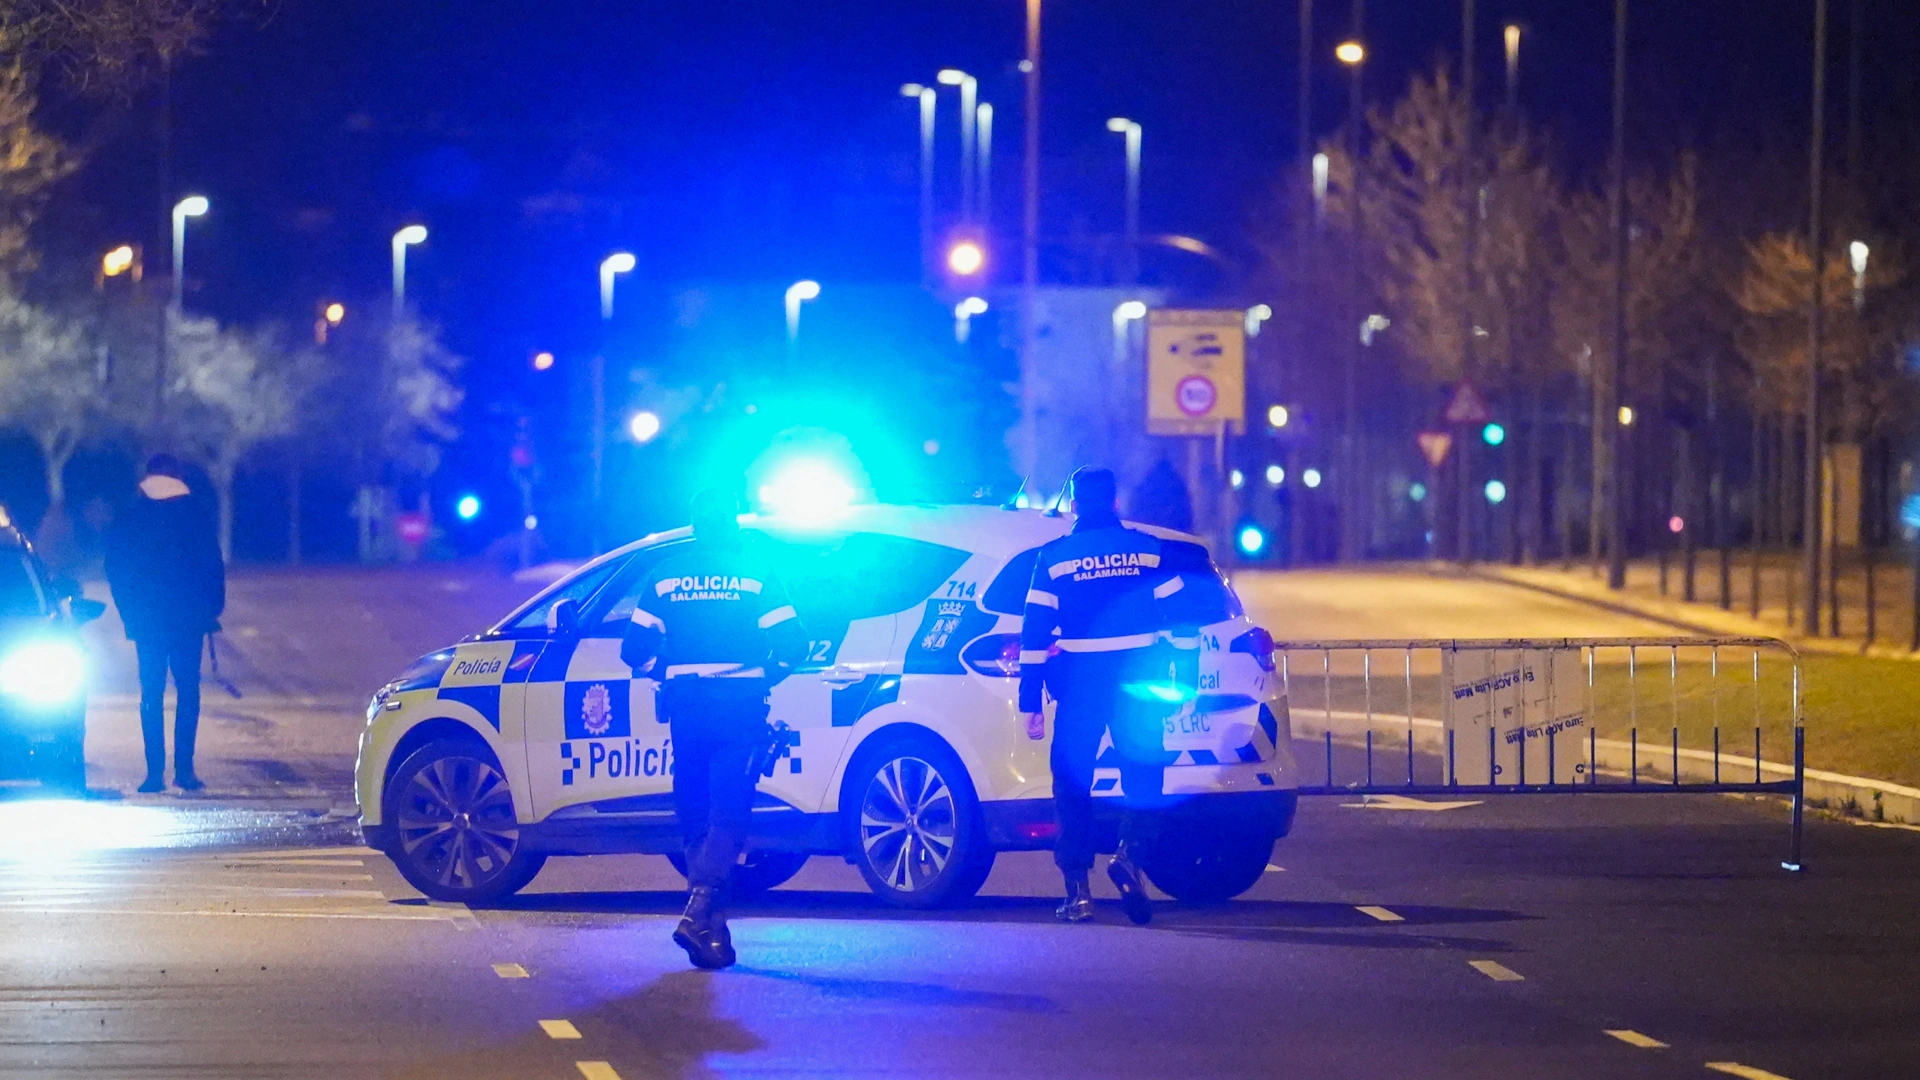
(1493, 434)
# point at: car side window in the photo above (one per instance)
(612, 610)
(836, 580)
(532, 621)
(1007, 593)
(1206, 597)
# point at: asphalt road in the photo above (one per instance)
(247, 935)
(1504, 940)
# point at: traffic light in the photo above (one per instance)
(1493, 434)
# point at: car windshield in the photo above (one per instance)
(21, 591)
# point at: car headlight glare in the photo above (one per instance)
(43, 672)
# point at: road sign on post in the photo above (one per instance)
(1196, 372)
(1468, 406)
(1434, 446)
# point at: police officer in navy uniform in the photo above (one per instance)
(714, 626)
(1099, 635)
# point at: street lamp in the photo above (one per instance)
(1513, 65)
(330, 317)
(1257, 315)
(1320, 170)
(966, 258)
(119, 261)
(969, 94)
(1120, 125)
(983, 139)
(963, 313)
(620, 262)
(797, 293)
(928, 100)
(402, 240)
(1857, 258)
(191, 206)
(643, 426)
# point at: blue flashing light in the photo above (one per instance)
(468, 507)
(1493, 434)
(808, 490)
(1251, 539)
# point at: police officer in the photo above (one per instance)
(713, 625)
(1098, 634)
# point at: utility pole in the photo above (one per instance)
(1470, 183)
(1816, 250)
(1030, 238)
(1616, 500)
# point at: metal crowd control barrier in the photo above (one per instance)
(1550, 716)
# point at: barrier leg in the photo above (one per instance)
(1793, 862)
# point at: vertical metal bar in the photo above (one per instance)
(1799, 794)
(1520, 695)
(1676, 757)
(1329, 759)
(1633, 738)
(1713, 673)
(1716, 753)
(1409, 670)
(1366, 683)
(1593, 758)
(1633, 687)
(1326, 684)
(1369, 757)
(1673, 684)
(1552, 776)
(1493, 757)
(1453, 779)
(1756, 753)
(1286, 676)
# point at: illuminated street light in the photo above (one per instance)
(1626, 416)
(1321, 168)
(1276, 475)
(1311, 478)
(1252, 540)
(643, 426)
(1372, 325)
(1120, 125)
(330, 317)
(1349, 53)
(963, 313)
(542, 361)
(1237, 479)
(468, 507)
(1496, 492)
(620, 262)
(1493, 434)
(190, 207)
(966, 258)
(118, 261)
(797, 293)
(402, 240)
(1277, 416)
(1256, 315)
(1129, 311)
(1513, 64)
(969, 103)
(1857, 258)
(1417, 491)
(335, 313)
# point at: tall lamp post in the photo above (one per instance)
(192, 206)
(1816, 329)
(969, 99)
(797, 293)
(983, 138)
(1030, 233)
(1120, 125)
(620, 262)
(1353, 491)
(402, 240)
(928, 102)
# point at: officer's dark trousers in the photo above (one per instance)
(716, 726)
(180, 654)
(1088, 689)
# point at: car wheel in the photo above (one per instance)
(455, 834)
(757, 872)
(917, 833)
(62, 764)
(1206, 866)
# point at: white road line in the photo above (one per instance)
(366, 915)
(1495, 971)
(1745, 1072)
(511, 971)
(596, 1070)
(256, 861)
(1273, 869)
(1379, 913)
(1888, 825)
(1404, 802)
(460, 915)
(1634, 1038)
(559, 1029)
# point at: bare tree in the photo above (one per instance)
(49, 386)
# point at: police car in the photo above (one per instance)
(910, 757)
(43, 698)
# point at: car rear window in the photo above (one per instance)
(1205, 599)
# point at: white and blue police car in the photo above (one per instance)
(532, 739)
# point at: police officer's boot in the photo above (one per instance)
(1127, 878)
(1078, 906)
(703, 930)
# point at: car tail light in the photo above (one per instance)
(996, 655)
(1257, 643)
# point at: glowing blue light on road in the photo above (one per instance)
(1251, 539)
(468, 507)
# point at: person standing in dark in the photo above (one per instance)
(170, 584)
(1100, 599)
(713, 625)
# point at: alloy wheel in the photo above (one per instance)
(908, 823)
(456, 822)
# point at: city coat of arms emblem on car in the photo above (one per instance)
(596, 709)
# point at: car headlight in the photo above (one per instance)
(44, 672)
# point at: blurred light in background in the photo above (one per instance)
(530, 522)
(468, 507)
(1493, 434)
(643, 426)
(1626, 415)
(542, 361)
(966, 258)
(1311, 478)
(1277, 416)
(335, 313)
(1237, 478)
(930, 447)
(1251, 539)
(1417, 492)
(1276, 475)
(808, 490)
(1676, 524)
(1256, 315)
(1496, 492)
(118, 261)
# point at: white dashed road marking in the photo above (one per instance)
(1379, 913)
(460, 915)
(559, 1029)
(510, 971)
(596, 1070)
(1496, 972)
(1272, 869)
(1744, 1072)
(1634, 1038)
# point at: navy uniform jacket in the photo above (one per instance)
(713, 611)
(1100, 589)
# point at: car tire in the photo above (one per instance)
(62, 765)
(913, 822)
(455, 835)
(1206, 865)
(757, 872)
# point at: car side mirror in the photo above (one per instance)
(84, 610)
(563, 618)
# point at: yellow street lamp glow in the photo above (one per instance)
(1349, 52)
(542, 361)
(1129, 311)
(335, 313)
(411, 234)
(966, 258)
(1119, 125)
(1278, 416)
(118, 261)
(1626, 416)
(1513, 38)
(191, 206)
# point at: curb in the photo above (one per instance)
(1854, 796)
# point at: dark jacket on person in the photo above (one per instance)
(164, 566)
